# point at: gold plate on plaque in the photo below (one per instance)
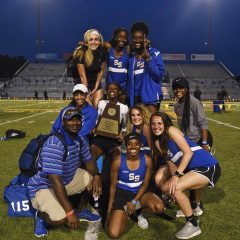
(108, 124)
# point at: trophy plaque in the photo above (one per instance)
(108, 124)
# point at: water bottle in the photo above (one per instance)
(96, 202)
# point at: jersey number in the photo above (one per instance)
(134, 178)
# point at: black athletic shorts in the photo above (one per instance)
(121, 198)
(105, 144)
(211, 173)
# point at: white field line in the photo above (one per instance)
(19, 119)
(23, 105)
(31, 121)
(93, 229)
(226, 124)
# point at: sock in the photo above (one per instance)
(192, 219)
(193, 204)
(138, 211)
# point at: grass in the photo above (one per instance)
(221, 204)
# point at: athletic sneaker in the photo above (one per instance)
(188, 231)
(40, 229)
(142, 221)
(196, 212)
(87, 216)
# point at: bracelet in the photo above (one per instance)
(204, 142)
(70, 213)
(134, 202)
(178, 174)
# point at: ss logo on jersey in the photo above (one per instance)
(117, 63)
(134, 178)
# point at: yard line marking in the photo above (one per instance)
(16, 120)
(17, 106)
(92, 229)
(226, 124)
(31, 122)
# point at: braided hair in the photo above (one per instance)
(182, 82)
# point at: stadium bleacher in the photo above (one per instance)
(208, 76)
(38, 76)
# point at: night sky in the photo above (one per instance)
(176, 26)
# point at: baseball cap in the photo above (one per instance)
(131, 136)
(180, 82)
(71, 112)
(80, 87)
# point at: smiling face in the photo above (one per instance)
(136, 117)
(79, 98)
(93, 41)
(180, 93)
(138, 40)
(133, 148)
(121, 39)
(72, 125)
(112, 91)
(157, 125)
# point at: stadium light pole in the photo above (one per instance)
(210, 16)
(39, 40)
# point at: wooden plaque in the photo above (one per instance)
(108, 124)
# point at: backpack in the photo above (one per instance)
(16, 194)
(71, 65)
(28, 161)
(13, 133)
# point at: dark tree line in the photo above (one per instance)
(9, 65)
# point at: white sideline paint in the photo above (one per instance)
(31, 122)
(19, 119)
(226, 124)
(92, 229)
(17, 106)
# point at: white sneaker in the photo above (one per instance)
(188, 231)
(196, 212)
(142, 221)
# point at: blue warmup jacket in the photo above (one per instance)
(147, 76)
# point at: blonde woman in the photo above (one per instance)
(91, 64)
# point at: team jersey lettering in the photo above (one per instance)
(118, 63)
(133, 177)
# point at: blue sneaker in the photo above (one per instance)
(87, 216)
(40, 229)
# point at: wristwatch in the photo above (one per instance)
(178, 174)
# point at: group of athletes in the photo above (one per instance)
(155, 161)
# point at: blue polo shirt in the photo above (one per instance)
(51, 162)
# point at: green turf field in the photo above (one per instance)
(221, 204)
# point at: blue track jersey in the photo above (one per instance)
(200, 158)
(131, 180)
(118, 68)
